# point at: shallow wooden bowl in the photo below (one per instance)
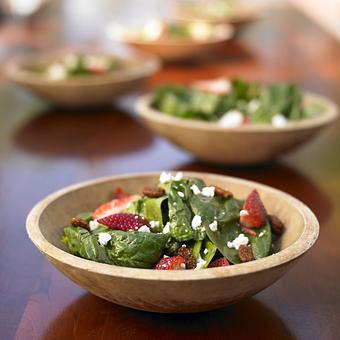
(169, 291)
(249, 144)
(179, 49)
(80, 91)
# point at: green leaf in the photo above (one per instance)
(87, 216)
(136, 249)
(208, 253)
(261, 246)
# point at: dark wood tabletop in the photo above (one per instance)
(43, 149)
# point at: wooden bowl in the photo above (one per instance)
(178, 49)
(169, 291)
(249, 144)
(80, 91)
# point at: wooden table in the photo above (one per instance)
(42, 150)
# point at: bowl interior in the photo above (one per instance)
(64, 205)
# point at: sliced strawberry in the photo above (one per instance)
(171, 263)
(120, 193)
(124, 222)
(222, 262)
(255, 212)
(249, 231)
(114, 207)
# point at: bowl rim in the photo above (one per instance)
(228, 33)
(148, 64)
(296, 249)
(331, 113)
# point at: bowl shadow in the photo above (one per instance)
(277, 175)
(90, 317)
(82, 133)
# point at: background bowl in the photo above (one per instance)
(178, 49)
(81, 91)
(213, 143)
(169, 291)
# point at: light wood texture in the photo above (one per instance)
(210, 142)
(169, 291)
(81, 91)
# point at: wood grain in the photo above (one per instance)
(37, 302)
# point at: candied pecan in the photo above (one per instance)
(79, 222)
(276, 225)
(190, 259)
(153, 192)
(224, 193)
(245, 253)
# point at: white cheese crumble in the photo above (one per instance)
(182, 265)
(208, 191)
(231, 119)
(279, 120)
(93, 225)
(195, 189)
(196, 222)
(262, 233)
(239, 240)
(166, 229)
(56, 72)
(200, 263)
(180, 194)
(205, 251)
(200, 31)
(216, 86)
(213, 226)
(154, 224)
(104, 238)
(244, 213)
(167, 177)
(144, 229)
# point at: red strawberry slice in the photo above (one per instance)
(222, 262)
(171, 263)
(255, 212)
(124, 222)
(114, 207)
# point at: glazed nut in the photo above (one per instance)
(245, 253)
(189, 258)
(276, 225)
(223, 193)
(153, 192)
(79, 222)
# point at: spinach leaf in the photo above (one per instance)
(261, 246)
(87, 216)
(136, 249)
(82, 243)
(209, 252)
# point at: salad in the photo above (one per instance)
(157, 30)
(73, 65)
(182, 223)
(236, 102)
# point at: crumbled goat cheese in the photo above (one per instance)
(205, 251)
(195, 189)
(213, 226)
(239, 240)
(166, 229)
(200, 263)
(93, 225)
(196, 222)
(56, 72)
(154, 224)
(104, 238)
(144, 229)
(244, 213)
(216, 86)
(231, 119)
(180, 194)
(279, 120)
(182, 265)
(167, 177)
(262, 233)
(208, 191)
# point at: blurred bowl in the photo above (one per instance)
(177, 49)
(80, 91)
(176, 291)
(248, 144)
